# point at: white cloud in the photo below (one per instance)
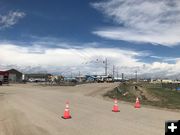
(166, 59)
(10, 19)
(53, 59)
(87, 60)
(153, 21)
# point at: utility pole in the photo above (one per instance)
(117, 73)
(79, 79)
(122, 76)
(136, 76)
(106, 66)
(71, 75)
(113, 70)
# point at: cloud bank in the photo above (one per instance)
(88, 60)
(10, 19)
(151, 21)
(85, 59)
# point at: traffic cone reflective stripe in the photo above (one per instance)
(115, 107)
(137, 104)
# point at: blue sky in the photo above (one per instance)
(78, 35)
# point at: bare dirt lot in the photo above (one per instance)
(28, 109)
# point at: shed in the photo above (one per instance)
(15, 75)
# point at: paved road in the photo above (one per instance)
(37, 110)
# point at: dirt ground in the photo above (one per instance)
(28, 109)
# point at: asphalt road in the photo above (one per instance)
(37, 110)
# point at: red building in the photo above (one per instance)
(4, 77)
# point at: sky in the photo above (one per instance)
(68, 36)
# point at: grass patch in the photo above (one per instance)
(118, 93)
(168, 98)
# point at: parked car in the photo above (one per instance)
(109, 79)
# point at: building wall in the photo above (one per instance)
(15, 75)
(1, 78)
(4, 77)
(12, 78)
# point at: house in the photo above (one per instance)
(166, 81)
(91, 78)
(15, 75)
(162, 81)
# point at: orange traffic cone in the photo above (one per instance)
(115, 107)
(67, 112)
(137, 104)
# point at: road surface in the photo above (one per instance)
(27, 109)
